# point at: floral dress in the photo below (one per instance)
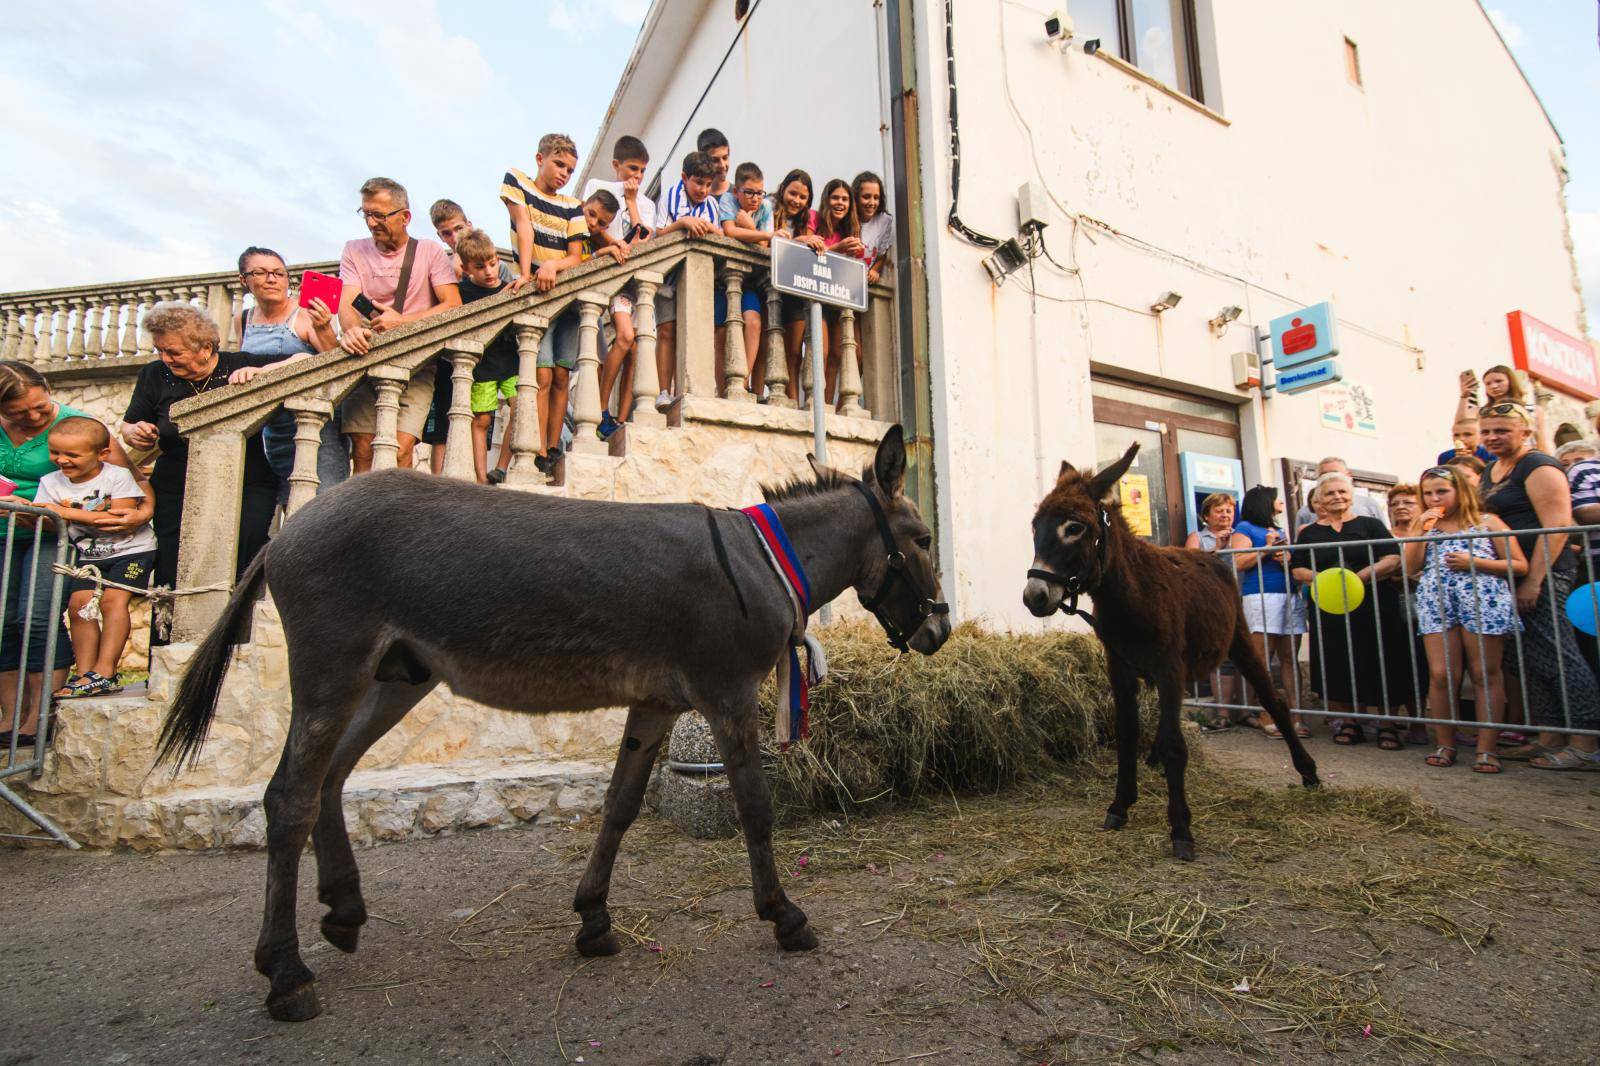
(1477, 602)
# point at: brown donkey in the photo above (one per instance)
(1164, 615)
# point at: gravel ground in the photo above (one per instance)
(936, 927)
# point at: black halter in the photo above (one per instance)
(896, 572)
(1074, 584)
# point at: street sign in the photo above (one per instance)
(1304, 336)
(840, 280)
(1306, 378)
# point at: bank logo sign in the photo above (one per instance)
(840, 280)
(1304, 336)
(1553, 357)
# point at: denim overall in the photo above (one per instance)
(278, 339)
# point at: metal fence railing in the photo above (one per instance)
(31, 631)
(1386, 655)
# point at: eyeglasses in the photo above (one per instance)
(259, 274)
(752, 192)
(379, 216)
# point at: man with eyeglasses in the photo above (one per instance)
(374, 268)
(1362, 504)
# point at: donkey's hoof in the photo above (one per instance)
(299, 1004)
(1114, 820)
(598, 946)
(1311, 781)
(342, 936)
(801, 939)
(1183, 849)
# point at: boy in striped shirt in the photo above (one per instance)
(688, 205)
(549, 234)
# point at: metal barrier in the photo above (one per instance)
(27, 560)
(1397, 677)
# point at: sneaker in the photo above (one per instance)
(664, 401)
(607, 426)
(497, 476)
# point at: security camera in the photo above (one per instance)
(1091, 46)
(1058, 27)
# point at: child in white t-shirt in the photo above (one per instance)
(635, 222)
(90, 493)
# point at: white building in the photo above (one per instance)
(1253, 154)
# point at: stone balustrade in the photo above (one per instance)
(99, 328)
(219, 421)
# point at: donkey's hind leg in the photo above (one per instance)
(338, 879)
(1246, 655)
(734, 724)
(324, 701)
(1125, 695)
(641, 741)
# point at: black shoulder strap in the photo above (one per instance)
(405, 277)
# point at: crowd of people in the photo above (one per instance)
(122, 500)
(1460, 614)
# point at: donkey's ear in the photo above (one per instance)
(1101, 484)
(816, 468)
(889, 465)
(1066, 468)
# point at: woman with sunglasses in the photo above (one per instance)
(1528, 490)
(1465, 608)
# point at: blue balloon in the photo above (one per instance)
(1581, 608)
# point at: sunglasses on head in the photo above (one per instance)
(1504, 410)
(1448, 473)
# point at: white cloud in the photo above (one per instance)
(564, 17)
(1586, 247)
(1514, 35)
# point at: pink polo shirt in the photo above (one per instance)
(377, 273)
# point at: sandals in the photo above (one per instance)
(1525, 752)
(1487, 762)
(1251, 721)
(1442, 757)
(1351, 733)
(1389, 738)
(89, 684)
(1302, 731)
(1568, 758)
(1219, 724)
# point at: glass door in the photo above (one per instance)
(1145, 499)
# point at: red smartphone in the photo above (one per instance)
(7, 487)
(315, 286)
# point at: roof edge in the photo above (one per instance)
(1525, 79)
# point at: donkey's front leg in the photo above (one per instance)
(1125, 696)
(737, 739)
(1174, 756)
(641, 740)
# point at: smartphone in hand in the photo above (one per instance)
(364, 307)
(324, 287)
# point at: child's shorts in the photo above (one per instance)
(748, 301)
(134, 569)
(560, 344)
(486, 395)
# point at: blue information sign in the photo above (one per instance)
(1306, 378)
(1304, 336)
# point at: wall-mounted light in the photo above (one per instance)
(1091, 46)
(1166, 302)
(1006, 259)
(1058, 27)
(1224, 316)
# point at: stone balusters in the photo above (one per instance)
(13, 334)
(646, 382)
(235, 309)
(26, 341)
(93, 316)
(310, 413)
(463, 355)
(58, 335)
(849, 368)
(208, 543)
(734, 367)
(75, 328)
(145, 345)
(388, 382)
(525, 442)
(586, 393)
(698, 360)
(777, 357)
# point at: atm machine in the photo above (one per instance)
(1203, 475)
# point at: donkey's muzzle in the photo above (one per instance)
(1043, 593)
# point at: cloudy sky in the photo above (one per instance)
(163, 136)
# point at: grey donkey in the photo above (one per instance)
(395, 582)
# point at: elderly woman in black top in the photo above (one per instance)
(1528, 490)
(186, 342)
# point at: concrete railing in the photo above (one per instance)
(101, 327)
(218, 422)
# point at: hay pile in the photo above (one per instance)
(989, 710)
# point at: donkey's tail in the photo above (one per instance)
(189, 718)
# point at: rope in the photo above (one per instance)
(161, 598)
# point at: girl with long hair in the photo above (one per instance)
(793, 218)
